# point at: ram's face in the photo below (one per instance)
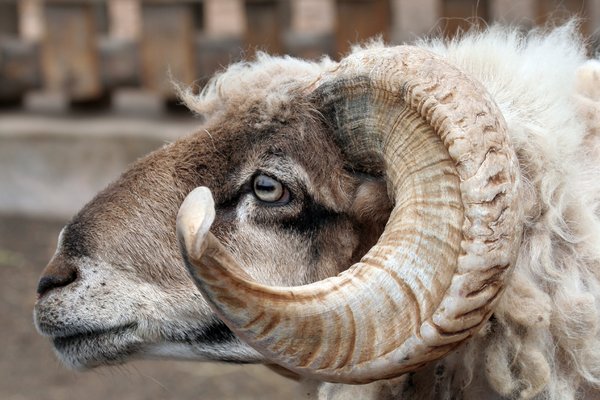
(287, 208)
(304, 162)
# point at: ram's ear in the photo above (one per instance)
(371, 204)
(371, 208)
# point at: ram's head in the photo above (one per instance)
(384, 184)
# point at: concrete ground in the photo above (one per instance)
(50, 165)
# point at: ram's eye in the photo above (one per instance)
(270, 190)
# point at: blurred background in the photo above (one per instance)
(85, 90)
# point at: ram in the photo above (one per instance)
(413, 222)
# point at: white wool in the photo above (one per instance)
(267, 81)
(546, 342)
(543, 341)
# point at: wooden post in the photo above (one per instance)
(361, 20)
(522, 12)
(463, 15)
(221, 41)
(8, 18)
(31, 20)
(19, 63)
(224, 18)
(413, 19)
(125, 19)
(593, 13)
(264, 19)
(311, 28)
(70, 59)
(315, 17)
(167, 46)
(120, 55)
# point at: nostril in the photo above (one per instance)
(48, 283)
(56, 275)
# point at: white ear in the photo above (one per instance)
(194, 219)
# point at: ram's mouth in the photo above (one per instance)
(62, 340)
(93, 348)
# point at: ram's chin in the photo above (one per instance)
(88, 350)
(231, 352)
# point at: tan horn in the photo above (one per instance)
(433, 277)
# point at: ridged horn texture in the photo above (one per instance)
(433, 277)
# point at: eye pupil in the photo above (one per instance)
(268, 189)
(264, 187)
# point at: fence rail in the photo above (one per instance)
(88, 49)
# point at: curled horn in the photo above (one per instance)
(432, 279)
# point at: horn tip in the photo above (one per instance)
(194, 219)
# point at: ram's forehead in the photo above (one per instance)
(268, 80)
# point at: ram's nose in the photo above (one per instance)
(58, 273)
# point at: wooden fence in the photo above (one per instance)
(87, 49)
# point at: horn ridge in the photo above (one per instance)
(439, 265)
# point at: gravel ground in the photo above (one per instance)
(29, 370)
